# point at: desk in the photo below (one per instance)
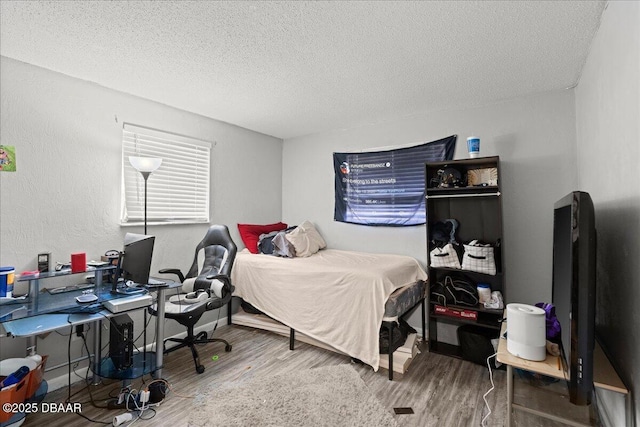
(604, 377)
(37, 316)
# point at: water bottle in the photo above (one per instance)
(484, 292)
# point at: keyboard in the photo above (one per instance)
(132, 290)
(153, 283)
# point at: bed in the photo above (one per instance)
(333, 296)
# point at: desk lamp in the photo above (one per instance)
(145, 165)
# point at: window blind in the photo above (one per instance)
(178, 191)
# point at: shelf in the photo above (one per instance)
(462, 321)
(479, 308)
(64, 272)
(141, 366)
(460, 271)
(474, 163)
(487, 317)
(479, 191)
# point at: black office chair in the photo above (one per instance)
(208, 289)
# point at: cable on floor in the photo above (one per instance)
(493, 386)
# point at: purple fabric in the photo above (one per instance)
(553, 326)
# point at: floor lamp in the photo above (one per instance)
(145, 165)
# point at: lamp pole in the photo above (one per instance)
(145, 165)
(145, 175)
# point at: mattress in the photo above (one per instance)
(401, 300)
(334, 296)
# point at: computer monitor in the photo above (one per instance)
(134, 263)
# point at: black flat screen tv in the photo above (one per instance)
(574, 286)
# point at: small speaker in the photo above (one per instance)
(526, 332)
(44, 263)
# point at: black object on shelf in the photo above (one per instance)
(475, 344)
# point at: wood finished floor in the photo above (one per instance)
(442, 391)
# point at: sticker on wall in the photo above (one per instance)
(7, 158)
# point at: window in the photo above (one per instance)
(178, 191)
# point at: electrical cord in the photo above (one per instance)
(69, 360)
(493, 386)
(69, 378)
(106, 423)
(215, 326)
(153, 415)
(70, 333)
(88, 386)
(132, 396)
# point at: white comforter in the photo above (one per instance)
(334, 296)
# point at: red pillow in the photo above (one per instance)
(250, 233)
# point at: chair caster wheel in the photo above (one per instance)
(227, 348)
(202, 336)
(200, 369)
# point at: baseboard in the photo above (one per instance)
(62, 381)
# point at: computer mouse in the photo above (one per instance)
(87, 298)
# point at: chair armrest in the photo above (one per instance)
(173, 271)
(227, 285)
(196, 309)
(222, 277)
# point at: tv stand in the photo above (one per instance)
(604, 377)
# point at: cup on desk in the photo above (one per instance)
(7, 276)
(78, 262)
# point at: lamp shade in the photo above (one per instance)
(145, 164)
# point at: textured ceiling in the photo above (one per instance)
(293, 68)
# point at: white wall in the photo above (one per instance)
(65, 195)
(608, 134)
(535, 139)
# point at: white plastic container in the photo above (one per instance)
(484, 292)
(526, 332)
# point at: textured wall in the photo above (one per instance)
(608, 133)
(65, 195)
(535, 139)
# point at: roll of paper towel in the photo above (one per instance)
(526, 334)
